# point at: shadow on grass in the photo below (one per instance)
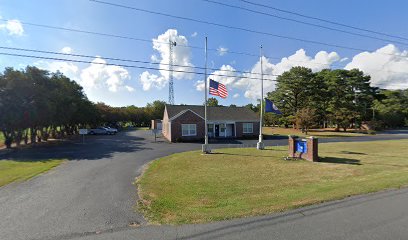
(354, 153)
(93, 148)
(340, 160)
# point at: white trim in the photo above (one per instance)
(233, 121)
(252, 128)
(182, 112)
(189, 134)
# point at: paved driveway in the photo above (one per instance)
(92, 194)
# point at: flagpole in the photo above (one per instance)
(260, 144)
(205, 147)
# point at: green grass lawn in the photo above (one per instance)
(20, 170)
(192, 188)
(321, 133)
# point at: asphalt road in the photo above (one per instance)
(91, 196)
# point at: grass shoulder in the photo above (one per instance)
(21, 170)
(194, 188)
(321, 133)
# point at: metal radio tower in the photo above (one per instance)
(171, 89)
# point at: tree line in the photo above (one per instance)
(332, 98)
(335, 98)
(36, 104)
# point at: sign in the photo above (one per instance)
(83, 131)
(301, 146)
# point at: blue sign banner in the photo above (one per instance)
(301, 146)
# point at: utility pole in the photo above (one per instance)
(171, 87)
(260, 145)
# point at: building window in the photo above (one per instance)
(188, 130)
(222, 130)
(248, 128)
(210, 130)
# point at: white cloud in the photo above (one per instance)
(250, 82)
(387, 66)
(129, 88)
(222, 51)
(252, 87)
(66, 50)
(200, 85)
(236, 95)
(226, 75)
(68, 69)
(99, 74)
(13, 27)
(154, 58)
(150, 80)
(181, 57)
(194, 34)
(344, 59)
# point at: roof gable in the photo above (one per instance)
(214, 113)
(183, 112)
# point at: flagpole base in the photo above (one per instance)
(206, 148)
(260, 145)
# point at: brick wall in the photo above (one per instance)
(187, 118)
(240, 129)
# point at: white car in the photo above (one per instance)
(97, 131)
(111, 130)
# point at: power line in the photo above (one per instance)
(124, 60)
(195, 47)
(323, 20)
(139, 39)
(304, 23)
(138, 61)
(151, 68)
(226, 26)
(127, 66)
(237, 28)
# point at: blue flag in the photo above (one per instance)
(270, 107)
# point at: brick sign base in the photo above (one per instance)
(308, 152)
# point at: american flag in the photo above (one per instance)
(218, 89)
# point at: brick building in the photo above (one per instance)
(186, 122)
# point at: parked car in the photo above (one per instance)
(98, 131)
(111, 130)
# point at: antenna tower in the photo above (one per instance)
(171, 88)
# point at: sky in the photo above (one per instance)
(233, 56)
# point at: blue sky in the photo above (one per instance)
(119, 86)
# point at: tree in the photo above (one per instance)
(305, 119)
(252, 107)
(392, 107)
(349, 96)
(294, 90)
(155, 110)
(212, 102)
